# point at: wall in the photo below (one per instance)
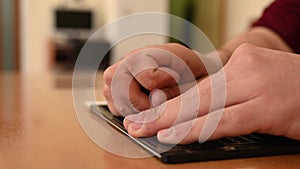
(37, 26)
(39, 35)
(239, 14)
(38, 30)
(118, 8)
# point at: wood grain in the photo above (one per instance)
(39, 129)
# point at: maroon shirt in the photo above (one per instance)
(283, 17)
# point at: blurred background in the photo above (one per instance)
(46, 36)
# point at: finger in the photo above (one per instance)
(216, 89)
(152, 68)
(109, 72)
(161, 67)
(106, 91)
(159, 96)
(107, 94)
(138, 125)
(138, 98)
(157, 78)
(150, 71)
(190, 57)
(121, 82)
(193, 103)
(148, 122)
(236, 120)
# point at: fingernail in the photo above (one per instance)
(129, 119)
(164, 133)
(132, 117)
(135, 126)
(157, 97)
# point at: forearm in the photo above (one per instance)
(258, 36)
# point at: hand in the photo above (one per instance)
(129, 82)
(262, 95)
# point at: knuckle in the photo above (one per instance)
(148, 131)
(150, 85)
(171, 92)
(106, 92)
(226, 124)
(246, 47)
(108, 74)
(241, 51)
(149, 80)
(174, 45)
(194, 130)
(113, 110)
(245, 54)
(136, 103)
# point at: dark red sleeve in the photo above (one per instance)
(283, 17)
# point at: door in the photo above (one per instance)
(9, 35)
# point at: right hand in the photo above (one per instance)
(129, 82)
(261, 94)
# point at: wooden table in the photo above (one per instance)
(40, 129)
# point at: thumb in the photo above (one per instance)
(159, 96)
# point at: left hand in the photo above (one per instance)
(262, 95)
(161, 70)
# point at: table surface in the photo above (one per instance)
(39, 128)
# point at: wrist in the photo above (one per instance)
(224, 55)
